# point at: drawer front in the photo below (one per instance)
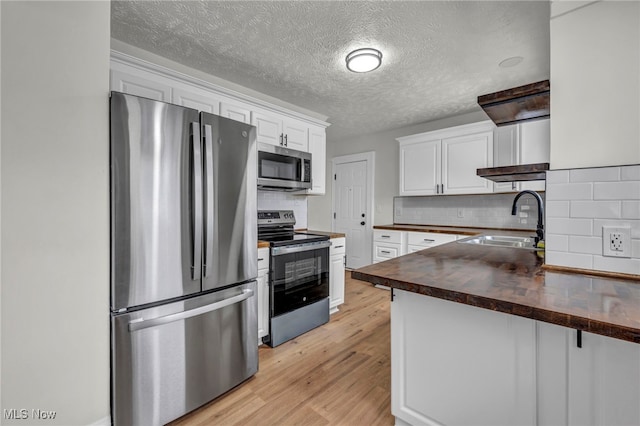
(385, 236)
(386, 251)
(337, 246)
(428, 239)
(413, 249)
(263, 258)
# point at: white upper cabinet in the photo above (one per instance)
(135, 82)
(296, 134)
(445, 161)
(461, 157)
(523, 143)
(201, 100)
(318, 150)
(420, 167)
(235, 111)
(276, 129)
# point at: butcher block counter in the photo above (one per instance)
(493, 330)
(514, 281)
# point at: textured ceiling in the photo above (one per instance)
(438, 56)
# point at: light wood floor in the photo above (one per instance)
(337, 374)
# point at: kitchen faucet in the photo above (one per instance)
(540, 227)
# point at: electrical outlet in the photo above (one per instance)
(616, 241)
(460, 212)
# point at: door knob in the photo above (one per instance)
(362, 223)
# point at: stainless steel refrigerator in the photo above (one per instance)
(183, 258)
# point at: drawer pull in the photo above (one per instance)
(429, 240)
(385, 252)
(338, 247)
(260, 259)
(385, 236)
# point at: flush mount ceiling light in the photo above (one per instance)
(364, 60)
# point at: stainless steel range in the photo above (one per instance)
(298, 278)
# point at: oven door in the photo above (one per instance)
(283, 168)
(299, 276)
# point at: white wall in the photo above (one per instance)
(595, 84)
(55, 210)
(387, 168)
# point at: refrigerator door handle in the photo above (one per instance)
(141, 323)
(196, 197)
(208, 160)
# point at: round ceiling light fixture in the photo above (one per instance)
(364, 60)
(511, 62)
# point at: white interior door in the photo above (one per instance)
(353, 189)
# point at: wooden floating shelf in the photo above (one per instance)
(524, 172)
(523, 103)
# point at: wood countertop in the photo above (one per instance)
(325, 233)
(514, 281)
(263, 244)
(443, 229)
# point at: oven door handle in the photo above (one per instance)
(297, 248)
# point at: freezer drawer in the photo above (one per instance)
(171, 359)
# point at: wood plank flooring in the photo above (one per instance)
(336, 374)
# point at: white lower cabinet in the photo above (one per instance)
(336, 273)
(417, 241)
(387, 244)
(263, 293)
(453, 364)
(597, 384)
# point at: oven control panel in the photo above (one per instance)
(276, 217)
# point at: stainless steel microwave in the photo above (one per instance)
(283, 169)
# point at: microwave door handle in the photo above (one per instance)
(208, 159)
(196, 201)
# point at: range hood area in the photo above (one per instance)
(528, 102)
(513, 106)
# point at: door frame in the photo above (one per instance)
(369, 158)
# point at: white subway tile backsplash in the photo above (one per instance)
(557, 176)
(596, 209)
(558, 242)
(587, 245)
(634, 224)
(615, 264)
(604, 174)
(627, 190)
(630, 172)
(557, 209)
(569, 226)
(635, 248)
(572, 260)
(631, 209)
(569, 191)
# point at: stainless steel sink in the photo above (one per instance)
(527, 243)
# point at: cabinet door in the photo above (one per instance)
(200, 100)
(420, 168)
(296, 134)
(318, 150)
(235, 112)
(142, 86)
(336, 282)
(453, 364)
(505, 153)
(461, 157)
(268, 128)
(597, 384)
(534, 148)
(263, 293)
